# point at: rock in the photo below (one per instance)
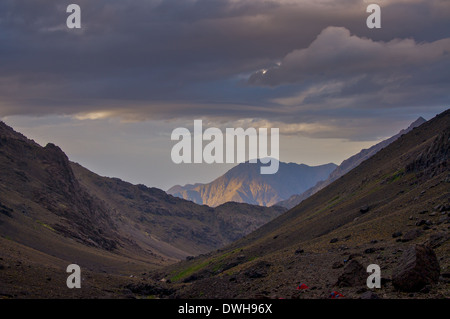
(425, 289)
(191, 278)
(353, 275)
(148, 289)
(353, 256)
(364, 209)
(258, 271)
(417, 268)
(337, 265)
(299, 251)
(411, 235)
(369, 295)
(385, 280)
(444, 220)
(397, 234)
(361, 290)
(229, 266)
(424, 222)
(334, 240)
(254, 274)
(437, 240)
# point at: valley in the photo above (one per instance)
(132, 241)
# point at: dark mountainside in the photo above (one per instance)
(244, 183)
(54, 213)
(346, 166)
(392, 210)
(183, 224)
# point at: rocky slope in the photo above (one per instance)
(346, 166)
(245, 184)
(392, 210)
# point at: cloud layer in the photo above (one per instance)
(168, 59)
(336, 54)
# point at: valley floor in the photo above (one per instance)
(27, 273)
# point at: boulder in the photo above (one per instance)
(364, 209)
(353, 275)
(437, 239)
(411, 235)
(369, 295)
(397, 234)
(337, 265)
(417, 268)
(444, 220)
(259, 270)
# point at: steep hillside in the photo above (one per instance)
(346, 166)
(181, 223)
(54, 213)
(245, 184)
(372, 215)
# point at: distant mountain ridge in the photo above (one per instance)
(244, 183)
(347, 165)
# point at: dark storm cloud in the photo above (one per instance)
(340, 69)
(165, 59)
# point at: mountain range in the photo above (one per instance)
(392, 210)
(244, 183)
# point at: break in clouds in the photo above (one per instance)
(311, 68)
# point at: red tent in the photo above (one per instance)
(302, 287)
(335, 295)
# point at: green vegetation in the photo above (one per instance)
(334, 199)
(189, 271)
(217, 262)
(397, 175)
(45, 225)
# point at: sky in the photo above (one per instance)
(110, 94)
